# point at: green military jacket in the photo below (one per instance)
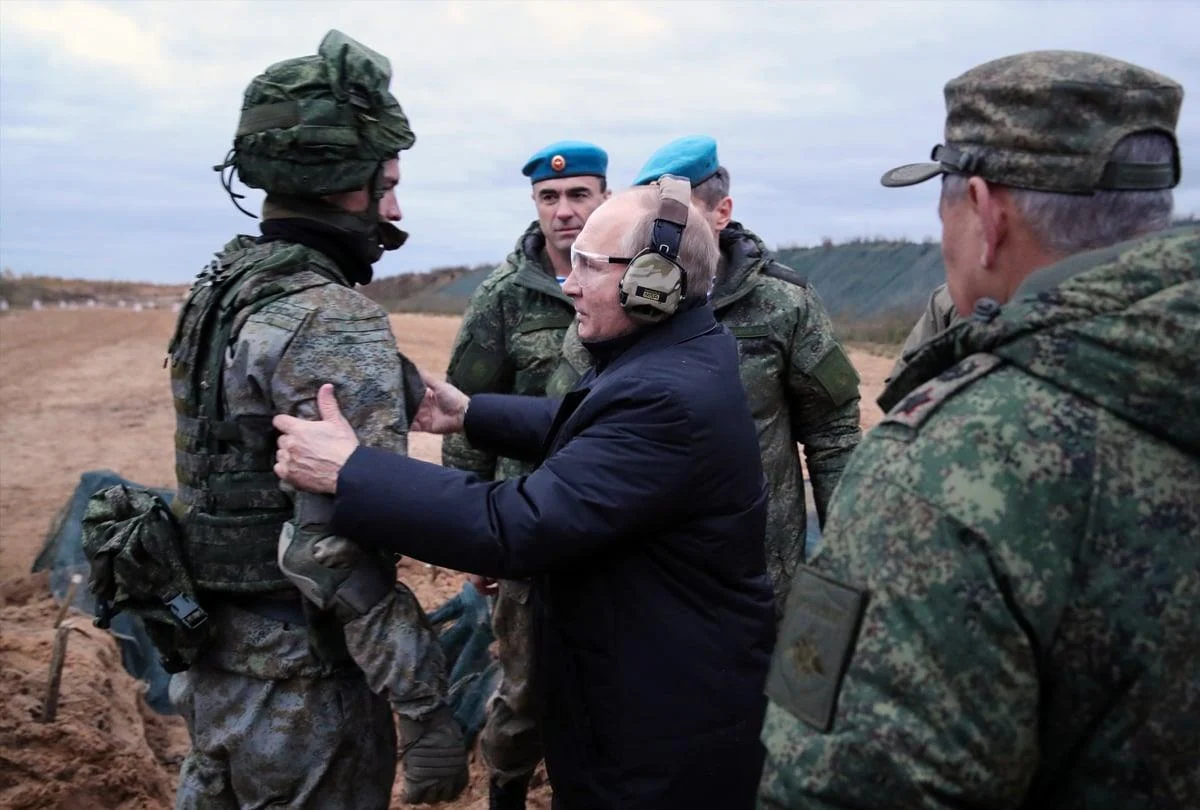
(1024, 530)
(509, 343)
(800, 385)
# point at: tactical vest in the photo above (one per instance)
(229, 503)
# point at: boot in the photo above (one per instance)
(509, 796)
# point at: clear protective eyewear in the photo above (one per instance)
(580, 259)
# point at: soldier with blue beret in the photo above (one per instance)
(566, 159)
(509, 343)
(801, 385)
(693, 157)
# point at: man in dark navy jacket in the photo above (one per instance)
(642, 529)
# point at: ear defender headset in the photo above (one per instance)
(654, 282)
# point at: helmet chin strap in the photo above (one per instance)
(378, 234)
(384, 235)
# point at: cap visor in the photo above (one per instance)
(911, 174)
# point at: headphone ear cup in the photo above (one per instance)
(651, 287)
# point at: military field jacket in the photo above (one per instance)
(1011, 575)
(510, 342)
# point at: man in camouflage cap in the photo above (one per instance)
(288, 705)
(509, 343)
(1004, 611)
(801, 385)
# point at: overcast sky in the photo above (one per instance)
(113, 113)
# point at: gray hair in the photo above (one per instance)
(1072, 223)
(698, 253)
(714, 189)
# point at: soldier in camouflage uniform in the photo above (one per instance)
(288, 704)
(1004, 611)
(509, 343)
(800, 383)
(939, 315)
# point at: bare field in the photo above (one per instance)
(86, 389)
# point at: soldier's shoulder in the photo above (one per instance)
(781, 285)
(793, 312)
(983, 399)
(780, 272)
(914, 412)
(324, 307)
(498, 279)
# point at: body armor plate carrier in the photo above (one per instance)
(229, 503)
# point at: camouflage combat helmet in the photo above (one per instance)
(321, 124)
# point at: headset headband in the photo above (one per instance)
(674, 195)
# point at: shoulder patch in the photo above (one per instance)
(837, 375)
(816, 641)
(781, 271)
(476, 369)
(919, 405)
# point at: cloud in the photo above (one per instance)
(93, 35)
(112, 114)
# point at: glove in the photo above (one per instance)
(332, 572)
(435, 758)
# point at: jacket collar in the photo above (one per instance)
(533, 268)
(743, 254)
(612, 354)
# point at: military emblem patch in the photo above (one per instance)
(558, 163)
(837, 376)
(915, 408)
(816, 640)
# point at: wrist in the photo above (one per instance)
(462, 417)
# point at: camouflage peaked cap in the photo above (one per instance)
(320, 124)
(1048, 120)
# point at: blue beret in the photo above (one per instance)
(566, 159)
(693, 157)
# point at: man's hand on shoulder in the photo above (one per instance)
(310, 455)
(443, 408)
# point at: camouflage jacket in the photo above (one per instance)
(278, 357)
(939, 315)
(509, 343)
(799, 382)
(1024, 528)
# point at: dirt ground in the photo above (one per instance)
(82, 390)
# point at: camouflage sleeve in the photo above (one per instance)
(574, 363)
(938, 316)
(339, 336)
(479, 363)
(822, 392)
(344, 339)
(349, 343)
(938, 706)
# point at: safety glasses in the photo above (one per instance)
(581, 260)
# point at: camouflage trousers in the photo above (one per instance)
(511, 740)
(273, 727)
(396, 648)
